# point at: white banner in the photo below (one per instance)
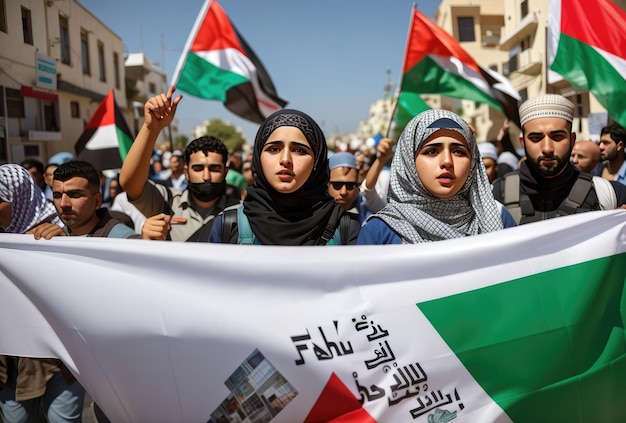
(188, 332)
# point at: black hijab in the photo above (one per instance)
(300, 217)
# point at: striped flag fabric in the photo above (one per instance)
(587, 47)
(218, 64)
(435, 63)
(106, 139)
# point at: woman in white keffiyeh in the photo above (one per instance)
(441, 202)
(22, 204)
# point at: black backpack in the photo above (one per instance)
(582, 197)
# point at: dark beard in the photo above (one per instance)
(548, 172)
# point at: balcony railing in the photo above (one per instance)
(522, 62)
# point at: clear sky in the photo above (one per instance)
(328, 58)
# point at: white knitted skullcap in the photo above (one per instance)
(488, 151)
(546, 106)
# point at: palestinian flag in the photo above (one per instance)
(587, 46)
(218, 64)
(106, 139)
(435, 63)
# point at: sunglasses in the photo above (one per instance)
(338, 185)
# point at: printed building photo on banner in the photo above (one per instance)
(258, 392)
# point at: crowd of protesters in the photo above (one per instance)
(434, 183)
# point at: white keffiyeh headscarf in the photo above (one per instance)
(417, 215)
(29, 206)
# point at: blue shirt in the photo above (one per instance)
(377, 232)
(620, 176)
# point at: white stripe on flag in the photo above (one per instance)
(103, 138)
(455, 66)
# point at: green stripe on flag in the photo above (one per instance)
(549, 347)
(585, 68)
(124, 142)
(205, 80)
(427, 77)
(409, 105)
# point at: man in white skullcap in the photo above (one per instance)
(548, 185)
(489, 155)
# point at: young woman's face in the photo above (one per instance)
(443, 163)
(287, 159)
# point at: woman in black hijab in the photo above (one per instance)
(288, 203)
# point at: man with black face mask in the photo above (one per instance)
(547, 185)
(175, 215)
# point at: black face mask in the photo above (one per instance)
(207, 191)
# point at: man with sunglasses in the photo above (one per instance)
(343, 185)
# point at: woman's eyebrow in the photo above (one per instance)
(438, 144)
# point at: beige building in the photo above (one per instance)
(525, 39)
(54, 72)
(477, 25)
(57, 62)
(144, 79)
(510, 37)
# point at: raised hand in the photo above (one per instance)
(159, 110)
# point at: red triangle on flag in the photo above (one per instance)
(104, 114)
(337, 404)
(216, 32)
(426, 37)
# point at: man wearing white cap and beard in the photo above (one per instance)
(548, 184)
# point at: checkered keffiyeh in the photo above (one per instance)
(419, 216)
(29, 206)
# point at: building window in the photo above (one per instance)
(152, 88)
(466, 29)
(64, 39)
(84, 51)
(50, 120)
(524, 8)
(27, 26)
(31, 150)
(74, 109)
(15, 103)
(3, 16)
(116, 69)
(101, 64)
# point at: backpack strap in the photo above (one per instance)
(168, 201)
(245, 234)
(511, 195)
(229, 225)
(327, 235)
(518, 204)
(168, 208)
(344, 228)
(577, 195)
